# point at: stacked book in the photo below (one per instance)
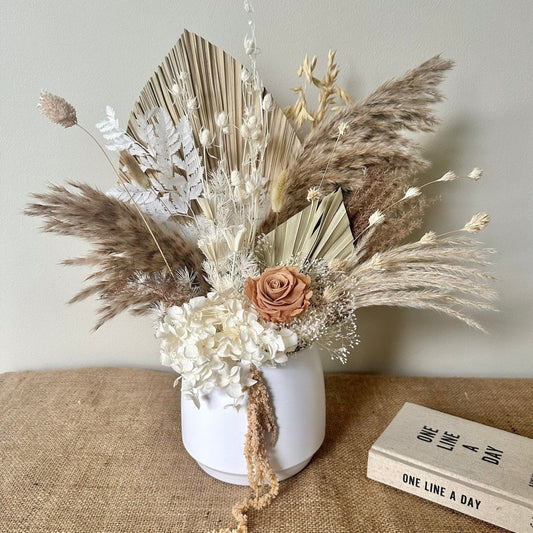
(472, 468)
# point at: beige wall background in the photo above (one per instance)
(102, 52)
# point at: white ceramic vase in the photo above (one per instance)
(214, 435)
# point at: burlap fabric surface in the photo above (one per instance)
(99, 450)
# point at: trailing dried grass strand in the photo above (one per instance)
(261, 419)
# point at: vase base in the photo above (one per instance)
(242, 479)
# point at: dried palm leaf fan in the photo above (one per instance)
(214, 78)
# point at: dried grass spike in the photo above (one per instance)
(57, 109)
(477, 223)
(277, 196)
(133, 170)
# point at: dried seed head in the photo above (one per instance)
(248, 7)
(330, 294)
(477, 223)
(475, 174)
(449, 176)
(235, 178)
(246, 75)
(222, 120)
(411, 192)
(250, 46)
(58, 110)
(133, 170)
(279, 187)
(314, 194)
(377, 217)
(343, 128)
(267, 103)
(205, 137)
(192, 104)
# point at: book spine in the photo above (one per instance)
(450, 492)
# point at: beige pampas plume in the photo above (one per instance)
(123, 246)
(57, 109)
(373, 147)
(445, 275)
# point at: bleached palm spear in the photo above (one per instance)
(214, 78)
(131, 266)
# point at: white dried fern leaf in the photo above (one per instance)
(192, 160)
(169, 151)
(116, 138)
(146, 199)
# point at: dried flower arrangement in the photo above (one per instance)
(250, 245)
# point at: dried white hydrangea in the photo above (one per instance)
(212, 340)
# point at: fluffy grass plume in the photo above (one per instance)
(373, 145)
(122, 244)
(440, 274)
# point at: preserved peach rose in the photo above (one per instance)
(279, 293)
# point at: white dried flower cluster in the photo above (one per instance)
(212, 340)
(252, 131)
(331, 321)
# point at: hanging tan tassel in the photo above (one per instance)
(262, 479)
